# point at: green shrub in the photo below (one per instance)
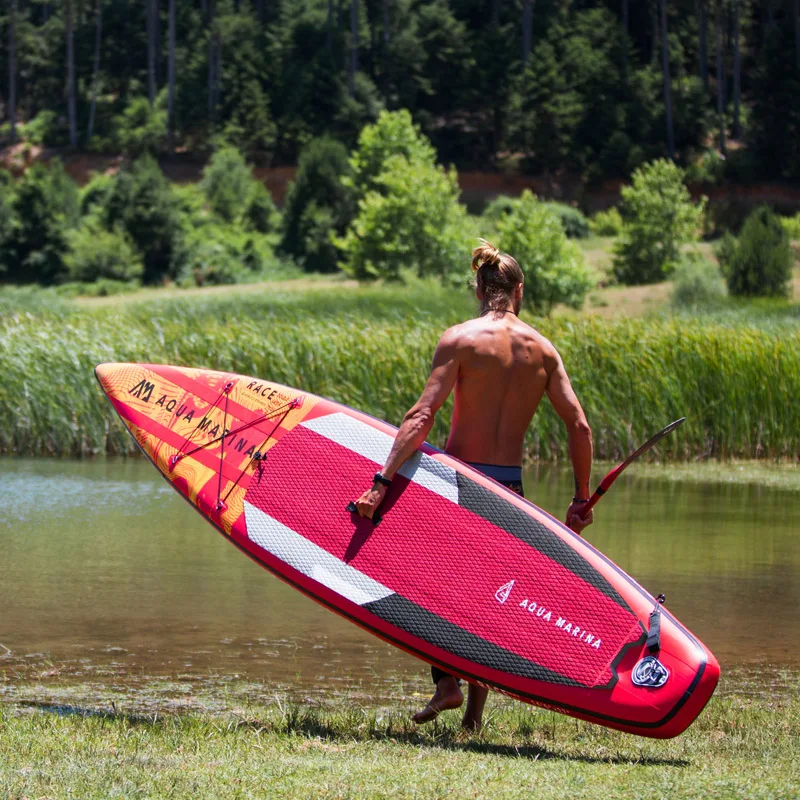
(607, 223)
(96, 253)
(46, 129)
(758, 263)
(318, 205)
(260, 214)
(141, 129)
(45, 206)
(96, 193)
(709, 169)
(697, 282)
(222, 254)
(227, 183)
(411, 220)
(658, 218)
(555, 268)
(574, 222)
(141, 203)
(496, 209)
(792, 226)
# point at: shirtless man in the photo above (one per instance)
(500, 369)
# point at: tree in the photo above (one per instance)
(737, 71)
(318, 205)
(411, 220)
(720, 80)
(353, 64)
(658, 218)
(226, 183)
(142, 204)
(96, 69)
(702, 50)
(667, 86)
(759, 263)
(12, 69)
(394, 134)
(44, 208)
(554, 267)
(171, 78)
(152, 25)
(73, 122)
(527, 30)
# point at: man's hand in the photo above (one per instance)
(574, 520)
(368, 503)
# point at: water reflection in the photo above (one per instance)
(109, 578)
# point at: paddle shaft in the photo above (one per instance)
(605, 484)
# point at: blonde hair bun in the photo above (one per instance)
(486, 255)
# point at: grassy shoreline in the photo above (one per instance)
(739, 747)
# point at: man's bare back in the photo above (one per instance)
(503, 370)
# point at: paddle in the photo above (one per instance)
(617, 471)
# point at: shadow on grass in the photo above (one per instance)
(68, 710)
(312, 727)
(355, 729)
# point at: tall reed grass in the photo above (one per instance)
(737, 384)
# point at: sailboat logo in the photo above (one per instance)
(501, 595)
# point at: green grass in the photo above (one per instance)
(739, 747)
(370, 348)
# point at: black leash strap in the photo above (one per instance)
(654, 634)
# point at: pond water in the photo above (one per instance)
(110, 584)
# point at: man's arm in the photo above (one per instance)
(565, 402)
(418, 422)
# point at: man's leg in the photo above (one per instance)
(447, 695)
(476, 700)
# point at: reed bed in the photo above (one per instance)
(737, 384)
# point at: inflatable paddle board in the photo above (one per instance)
(524, 606)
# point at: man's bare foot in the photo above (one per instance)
(447, 696)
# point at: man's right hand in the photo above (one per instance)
(368, 503)
(574, 520)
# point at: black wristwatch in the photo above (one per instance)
(382, 479)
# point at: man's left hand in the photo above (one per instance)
(574, 520)
(368, 503)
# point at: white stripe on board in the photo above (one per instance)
(362, 438)
(310, 559)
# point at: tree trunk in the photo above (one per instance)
(667, 82)
(260, 11)
(151, 51)
(329, 40)
(12, 71)
(98, 34)
(703, 42)
(720, 84)
(495, 18)
(796, 7)
(73, 123)
(171, 78)
(211, 61)
(737, 72)
(626, 26)
(527, 30)
(351, 76)
(386, 21)
(218, 71)
(654, 19)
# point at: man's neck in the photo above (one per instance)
(485, 310)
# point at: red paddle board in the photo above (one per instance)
(525, 606)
